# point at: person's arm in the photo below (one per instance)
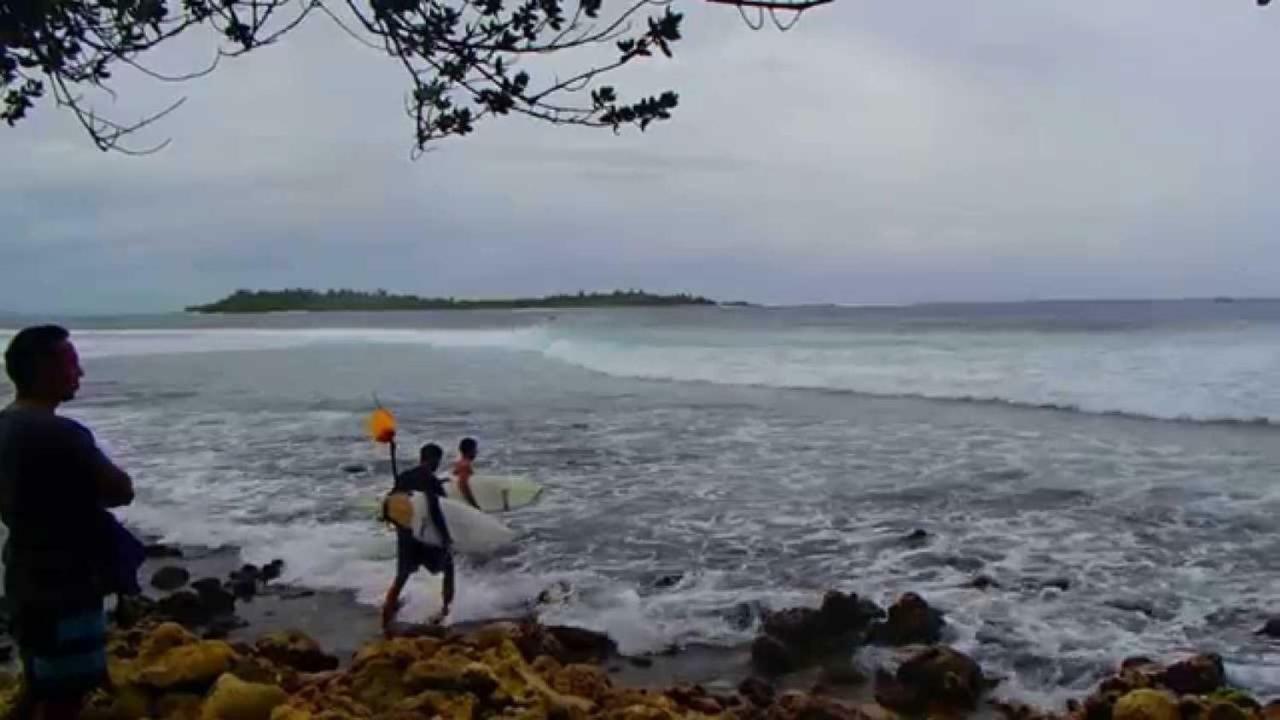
(437, 515)
(113, 485)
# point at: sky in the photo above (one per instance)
(879, 152)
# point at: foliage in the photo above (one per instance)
(465, 59)
(298, 299)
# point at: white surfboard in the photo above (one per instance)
(472, 531)
(495, 493)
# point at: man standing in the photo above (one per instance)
(412, 554)
(55, 485)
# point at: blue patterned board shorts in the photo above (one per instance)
(63, 656)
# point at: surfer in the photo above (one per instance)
(61, 555)
(411, 553)
(462, 469)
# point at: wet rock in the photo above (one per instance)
(983, 582)
(1137, 662)
(801, 706)
(354, 468)
(272, 571)
(1271, 628)
(1235, 697)
(243, 587)
(640, 662)
(1199, 675)
(1146, 704)
(917, 537)
(235, 699)
(296, 650)
(580, 645)
(6, 652)
(214, 597)
(937, 679)
(911, 621)
(796, 637)
(184, 607)
(772, 656)
(170, 578)
(667, 582)
(160, 550)
(555, 594)
(757, 691)
(295, 594)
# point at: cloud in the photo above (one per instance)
(878, 152)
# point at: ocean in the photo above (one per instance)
(1111, 465)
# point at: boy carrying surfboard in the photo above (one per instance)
(412, 553)
(463, 470)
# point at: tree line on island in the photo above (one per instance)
(298, 299)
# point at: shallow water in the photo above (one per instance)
(760, 455)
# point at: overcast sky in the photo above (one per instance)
(879, 152)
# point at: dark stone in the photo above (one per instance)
(911, 621)
(214, 596)
(354, 468)
(555, 593)
(772, 656)
(185, 608)
(984, 582)
(272, 571)
(937, 679)
(1060, 583)
(160, 550)
(668, 581)
(757, 691)
(640, 662)
(1137, 661)
(244, 588)
(1199, 675)
(1271, 628)
(170, 578)
(248, 571)
(581, 645)
(917, 537)
(296, 594)
(6, 652)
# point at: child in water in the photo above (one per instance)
(462, 470)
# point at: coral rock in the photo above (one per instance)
(235, 699)
(1146, 704)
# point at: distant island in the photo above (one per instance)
(295, 300)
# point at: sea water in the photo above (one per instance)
(701, 462)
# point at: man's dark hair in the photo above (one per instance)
(430, 453)
(467, 446)
(29, 350)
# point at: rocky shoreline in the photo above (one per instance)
(217, 639)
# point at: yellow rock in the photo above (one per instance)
(162, 639)
(123, 703)
(180, 706)
(378, 684)
(235, 699)
(1224, 710)
(586, 681)
(187, 665)
(401, 649)
(284, 712)
(1146, 704)
(448, 706)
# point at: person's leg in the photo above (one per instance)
(447, 590)
(391, 605)
(64, 662)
